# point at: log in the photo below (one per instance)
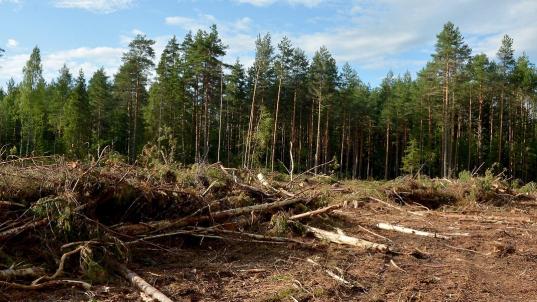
(138, 229)
(20, 229)
(405, 230)
(31, 272)
(315, 212)
(347, 240)
(138, 282)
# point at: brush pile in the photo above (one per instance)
(72, 224)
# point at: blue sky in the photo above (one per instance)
(374, 36)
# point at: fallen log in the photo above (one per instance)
(405, 230)
(347, 240)
(138, 282)
(20, 229)
(315, 212)
(31, 272)
(138, 229)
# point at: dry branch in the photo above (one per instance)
(315, 212)
(346, 240)
(138, 229)
(405, 230)
(15, 231)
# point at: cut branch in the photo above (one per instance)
(315, 212)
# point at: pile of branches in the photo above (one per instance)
(72, 223)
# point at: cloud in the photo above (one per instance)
(184, 22)
(96, 6)
(12, 43)
(11, 1)
(307, 3)
(85, 58)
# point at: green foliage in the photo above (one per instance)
(465, 176)
(411, 160)
(530, 187)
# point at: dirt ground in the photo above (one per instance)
(495, 261)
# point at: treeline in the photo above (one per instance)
(286, 111)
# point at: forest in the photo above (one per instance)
(286, 112)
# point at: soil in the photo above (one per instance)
(496, 261)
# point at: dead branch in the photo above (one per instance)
(20, 229)
(59, 271)
(315, 212)
(138, 229)
(138, 282)
(11, 204)
(347, 240)
(255, 236)
(405, 230)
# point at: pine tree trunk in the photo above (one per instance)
(387, 151)
(275, 129)
(220, 115)
(318, 142)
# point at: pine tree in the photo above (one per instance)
(101, 104)
(131, 91)
(77, 127)
(450, 56)
(323, 78)
(259, 77)
(60, 90)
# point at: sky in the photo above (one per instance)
(374, 36)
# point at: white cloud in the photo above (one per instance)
(184, 22)
(85, 58)
(307, 3)
(96, 6)
(10, 1)
(12, 43)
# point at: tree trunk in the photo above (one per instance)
(275, 129)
